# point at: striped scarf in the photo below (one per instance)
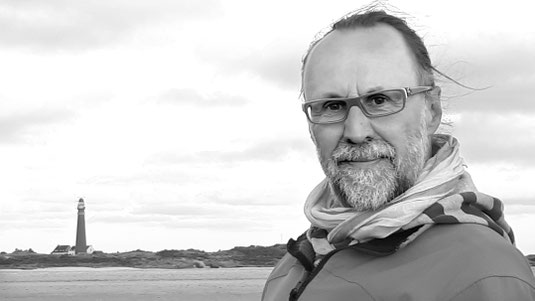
(443, 194)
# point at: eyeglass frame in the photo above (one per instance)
(356, 101)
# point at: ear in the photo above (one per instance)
(434, 108)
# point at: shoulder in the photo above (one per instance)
(478, 262)
(443, 263)
(447, 262)
(283, 267)
(284, 277)
(476, 245)
(497, 288)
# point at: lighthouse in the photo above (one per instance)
(81, 245)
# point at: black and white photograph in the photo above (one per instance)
(267, 150)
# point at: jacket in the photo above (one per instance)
(457, 262)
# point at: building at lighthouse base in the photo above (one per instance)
(71, 250)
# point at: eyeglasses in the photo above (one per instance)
(375, 104)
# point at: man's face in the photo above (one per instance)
(369, 161)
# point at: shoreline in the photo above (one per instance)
(118, 268)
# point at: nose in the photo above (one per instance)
(357, 127)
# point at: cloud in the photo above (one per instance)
(526, 201)
(519, 208)
(273, 150)
(14, 127)
(505, 97)
(194, 98)
(507, 138)
(35, 215)
(194, 216)
(182, 210)
(278, 63)
(208, 206)
(124, 219)
(36, 224)
(143, 177)
(64, 24)
(506, 67)
(233, 223)
(214, 216)
(247, 201)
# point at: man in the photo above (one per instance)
(397, 217)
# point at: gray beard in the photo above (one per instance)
(372, 188)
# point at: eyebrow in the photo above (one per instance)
(332, 95)
(336, 95)
(374, 89)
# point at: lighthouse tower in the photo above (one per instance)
(81, 246)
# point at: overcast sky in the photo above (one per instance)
(179, 122)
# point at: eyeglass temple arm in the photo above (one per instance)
(419, 89)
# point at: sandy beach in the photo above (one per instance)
(133, 284)
(85, 284)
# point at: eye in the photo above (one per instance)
(376, 100)
(334, 106)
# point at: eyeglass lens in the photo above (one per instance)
(376, 104)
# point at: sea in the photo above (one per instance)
(79, 283)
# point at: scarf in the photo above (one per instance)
(442, 194)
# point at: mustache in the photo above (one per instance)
(376, 149)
